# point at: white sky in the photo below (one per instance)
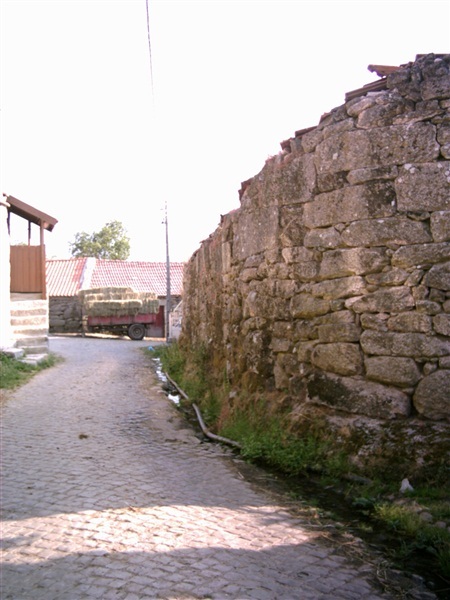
(83, 139)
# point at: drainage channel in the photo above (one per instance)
(334, 504)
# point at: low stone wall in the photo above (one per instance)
(65, 314)
(329, 289)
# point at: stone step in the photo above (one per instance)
(33, 313)
(25, 296)
(29, 332)
(33, 344)
(38, 349)
(29, 324)
(13, 352)
(24, 311)
(33, 304)
(34, 359)
(42, 337)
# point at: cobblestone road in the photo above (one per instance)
(108, 494)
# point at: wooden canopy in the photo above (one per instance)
(31, 214)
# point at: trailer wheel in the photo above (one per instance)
(136, 331)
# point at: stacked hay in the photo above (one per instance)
(117, 302)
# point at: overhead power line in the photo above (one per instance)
(149, 49)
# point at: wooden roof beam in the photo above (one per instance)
(382, 70)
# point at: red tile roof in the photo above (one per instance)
(141, 276)
(64, 276)
(67, 277)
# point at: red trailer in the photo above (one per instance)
(135, 326)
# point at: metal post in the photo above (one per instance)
(168, 298)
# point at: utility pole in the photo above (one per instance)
(166, 220)
(168, 298)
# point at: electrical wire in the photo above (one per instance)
(168, 298)
(150, 49)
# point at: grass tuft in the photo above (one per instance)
(14, 373)
(266, 439)
(418, 536)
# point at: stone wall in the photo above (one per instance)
(329, 288)
(65, 314)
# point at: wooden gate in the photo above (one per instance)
(28, 269)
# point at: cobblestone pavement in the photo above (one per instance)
(108, 494)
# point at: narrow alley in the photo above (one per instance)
(109, 494)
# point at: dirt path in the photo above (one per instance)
(108, 494)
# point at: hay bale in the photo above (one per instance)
(149, 306)
(114, 308)
(106, 293)
(117, 302)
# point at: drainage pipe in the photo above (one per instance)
(212, 436)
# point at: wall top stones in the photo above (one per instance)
(331, 283)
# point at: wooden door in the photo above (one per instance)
(28, 269)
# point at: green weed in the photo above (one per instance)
(418, 535)
(172, 360)
(264, 438)
(14, 373)
(192, 376)
(267, 440)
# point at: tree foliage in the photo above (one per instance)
(111, 242)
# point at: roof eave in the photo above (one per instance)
(28, 212)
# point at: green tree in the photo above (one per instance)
(111, 242)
